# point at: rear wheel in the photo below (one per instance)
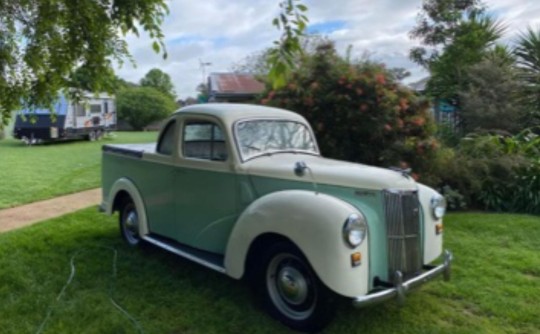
(129, 223)
(290, 290)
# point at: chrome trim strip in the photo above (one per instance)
(184, 254)
(400, 289)
(403, 228)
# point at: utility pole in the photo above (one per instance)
(203, 66)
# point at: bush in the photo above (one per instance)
(358, 112)
(140, 106)
(496, 172)
(454, 199)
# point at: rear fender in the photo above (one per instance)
(126, 185)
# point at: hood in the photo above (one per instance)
(330, 172)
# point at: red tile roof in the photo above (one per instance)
(235, 83)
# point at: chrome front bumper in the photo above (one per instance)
(401, 288)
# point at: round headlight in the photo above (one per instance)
(355, 230)
(438, 206)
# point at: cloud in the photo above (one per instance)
(224, 32)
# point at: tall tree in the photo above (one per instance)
(437, 25)
(491, 100)
(473, 40)
(159, 80)
(42, 42)
(528, 58)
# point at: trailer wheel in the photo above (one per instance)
(92, 136)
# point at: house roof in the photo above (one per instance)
(234, 84)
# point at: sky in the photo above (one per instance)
(224, 32)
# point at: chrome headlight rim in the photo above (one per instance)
(355, 230)
(438, 206)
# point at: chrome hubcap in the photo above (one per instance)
(132, 226)
(292, 285)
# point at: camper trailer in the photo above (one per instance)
(89, 119)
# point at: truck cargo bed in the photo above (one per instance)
(133, 150)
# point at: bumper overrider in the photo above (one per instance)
(401, 288)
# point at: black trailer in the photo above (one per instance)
(90, 119)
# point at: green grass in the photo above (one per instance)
(495, 286)
(29, 174)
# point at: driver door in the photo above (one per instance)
(205, 186)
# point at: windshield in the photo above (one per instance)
(259, 137)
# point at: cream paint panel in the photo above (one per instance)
(329, 171)
(433, 244)
(128, 186)
(313, 222)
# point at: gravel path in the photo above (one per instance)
(32, 213)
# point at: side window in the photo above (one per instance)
(166, 140)
(204, 140)
(95, 108)
(79, 110)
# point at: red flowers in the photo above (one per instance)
(380, 78)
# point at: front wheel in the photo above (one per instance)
(129, 223)
(290, 290)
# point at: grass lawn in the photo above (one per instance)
(29, 174)
(495, 286)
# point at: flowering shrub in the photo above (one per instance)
(496, 172)
(358, 112)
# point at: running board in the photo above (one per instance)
(207, 259)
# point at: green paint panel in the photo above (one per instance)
(192, 206)
(153, 181)
(206, 208)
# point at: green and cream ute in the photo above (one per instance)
(243, 190)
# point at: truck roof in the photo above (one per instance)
(231, 112)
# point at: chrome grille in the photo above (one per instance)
(402, 210)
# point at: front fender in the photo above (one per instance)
(126, 185)
(314, 223)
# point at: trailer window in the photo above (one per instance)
(79, 110)
(95, 108)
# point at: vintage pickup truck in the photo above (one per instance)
(243, 190)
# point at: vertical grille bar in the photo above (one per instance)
(402, 211)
